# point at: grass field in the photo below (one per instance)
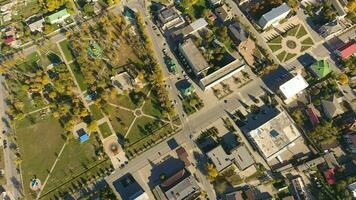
(66, 51)
(79, 76)
(96, 112)
(152, 107)
(274, 47)
(76, 158)
(137, 131)
(301, 32)
(120, 119)
(276, 40)
(105, 130)
(289, 56)
(39, 146)
(308, 41)
(293, 31)
(281, 56)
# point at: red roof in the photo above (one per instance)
(329, 176)
(347, 50)
(313, 116)
(9, 40)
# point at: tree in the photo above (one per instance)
(93, 126)
(298, 116)
(351, 6)
(212, 172)
(53, 4)
(343, 79)
(88, 9)
(325, 133)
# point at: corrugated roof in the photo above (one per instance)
(321, 68)
(274, 13)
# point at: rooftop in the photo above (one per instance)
(195, 57)
(272, 137)
(321, 68)
(58, 15)
(347, 50)
(219, 157)
(242, 157)
(274, 13)
(168, 14)
(332, 108)
(129, 189)
(293, 86)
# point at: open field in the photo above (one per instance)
(120, 119)
(105, 130)
(96, 112)
(66, 50)
(79, 76)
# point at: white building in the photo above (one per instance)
(274, 16)
(292, 88)
(352, 188)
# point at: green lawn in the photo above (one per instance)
(28, 64)
(293, 31)
(289, 56)
(274, 47)
(308, 41)
(281, 56)
(105, 130)
(66, 50)
(120, 119)
(79, 76)
(39, 145)
(276, 40)
(304, 48)
(76, 158)
(96, 112)
(138, 131)
(127, 100)
(152, 107)
(301, 32)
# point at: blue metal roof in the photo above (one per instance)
(83, 136)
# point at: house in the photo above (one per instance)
(300, 189)
(277, 138)
(169, 18)
(94, 50)
(292, 88)
(313, 114)
(214, 2)
(339, 8)
(83, 135)
(237, 33)
(331, 29)
(123, 82)
(240, 156)
(183, 155)
(237, 195)
(9, 40)
(274, 16)
(223, 13)
(331, 108)
(181, 185)
(347, 50)
(185, 88)
(321, 69)
(329, 176)
(128, 189)
(58, 17)
(211, 16)
(36, 26)
(350, 140)
(194, 27)
(352, 188)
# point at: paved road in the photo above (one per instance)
(13, 179)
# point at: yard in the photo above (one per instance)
(39, 146)
(120, 119)
(66, 50)
(152, 107)
(96, 112)
(105, 130)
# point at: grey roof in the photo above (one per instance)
(127, 187)
(192, 53)
(168, 14)
(183, 189)
(242, 157)
(198, 24)
(219, 157)
(330, 28)
(237, 32)
(274, 13)
(332, 108)
(222, 13)
(339, 8)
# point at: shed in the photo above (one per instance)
(321, 68)
(83, 136)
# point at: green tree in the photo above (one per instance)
(88, 9)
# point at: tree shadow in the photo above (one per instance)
(201, 162)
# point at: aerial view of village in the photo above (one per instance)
(178, 99)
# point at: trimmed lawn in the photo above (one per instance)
(293, 31)
(39, 145)
(276, 40)
(128, 101)
(119, 118)
(152, 107)
(105, 130)
(138, 131)
(289, 56)
(301, 32)
(281, 56)
(275, 47)
(96, 112)
(308, 41)
(66, 50)
(79, 76)
(76, 158)
(305, 48)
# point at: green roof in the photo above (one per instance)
(58, 15)
(321, 68)
(94, 50)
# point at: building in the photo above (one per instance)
(83, 136)
(169, 18)
(194, 27)
(237, 195)
(195, 59)
(239, 156)
(339, 8)
(183, 155)
(94, 50)
(36, 24)
(346, 50)
(331, 29)
(275, 137)
(313, 114)
(223, 13)
(320, 69)
(292, 88)
(352, 188)
(274, 16)
(331, 108)
(58, 17)
(185, 88)
(123, 82)
(214, 2)
(237, 33)
(329, 175)
(350, 140)
(128, 189)
(300, 189)
(178, 186)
